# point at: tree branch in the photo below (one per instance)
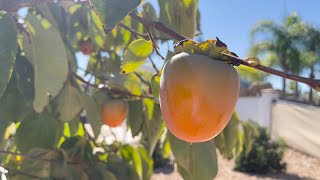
(311, 82)
(154, 65)
(161, 27)
(111, 91)
(136, 34)
(154, 44)
(141, 79)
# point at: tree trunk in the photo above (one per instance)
(284, 87)
(285, 69)
(311, 90)
(296, 93)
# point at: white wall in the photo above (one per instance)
(257, 108)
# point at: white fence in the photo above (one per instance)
(297, 124)
(257, 108)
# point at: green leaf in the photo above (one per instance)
(38, 130)
(198, 20)
(74, 125)
(13, 105)
(155, 85)
(78, 148)
(93, 110)
(54, 169)
(135, 55)
(99, 172)
(3, 127)
(69, 102)
(135, 116)
(179, 15)
(226, 141)
(147, 163)
(62, 170)
(230, 133)
(8, 49)
(249, 131)
(130, 154)
(111, 12)
(25, 77)
(152, 128)
(55, 14)
(195, 161)
(45, 50)
(166, 148)
(149, 104)
(150, 13)
(122, 170)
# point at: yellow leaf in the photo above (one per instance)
(135, 55)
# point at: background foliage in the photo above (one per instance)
(262, 155)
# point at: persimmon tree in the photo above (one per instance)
(51, 117)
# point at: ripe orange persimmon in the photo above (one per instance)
(114, 112)
(86, 47)
(197, 96)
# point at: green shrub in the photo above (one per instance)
(261, 155)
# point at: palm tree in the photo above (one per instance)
(280, 41)
(310, 40)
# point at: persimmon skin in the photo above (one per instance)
(114, 112)
(197, 96)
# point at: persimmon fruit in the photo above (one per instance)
(86, 47)
(114, 112)
(197, 96)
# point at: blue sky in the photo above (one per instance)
(232, 20)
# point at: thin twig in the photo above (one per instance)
(111, 91)
(159, 26)
(154, 43)
(133, 32)
(112, 133)
(141, 79)
(136, 34)
(154, 65)
(84, 81)
(94, 70)
(14, 171)
(95, 75)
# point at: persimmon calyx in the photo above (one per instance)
(211, 48)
